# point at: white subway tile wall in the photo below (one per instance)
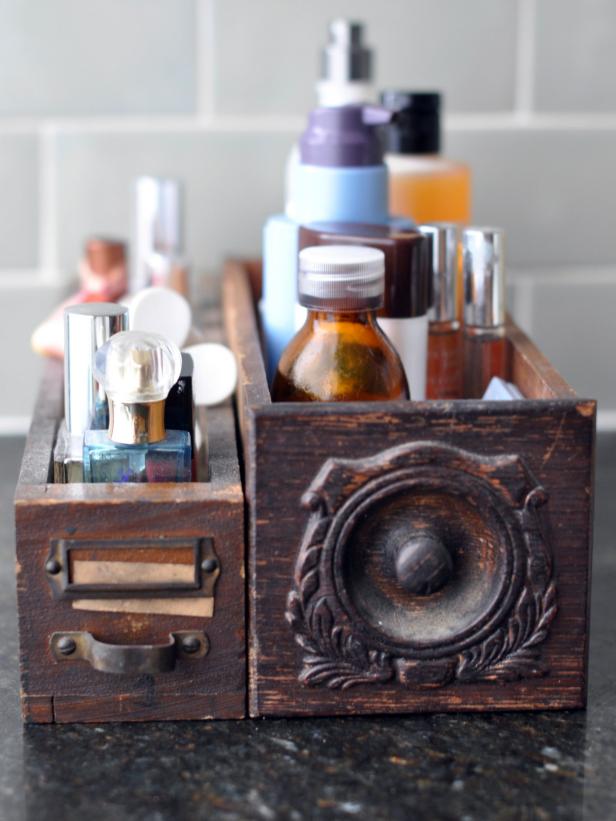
(214, 92)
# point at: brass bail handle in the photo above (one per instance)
(129, 658)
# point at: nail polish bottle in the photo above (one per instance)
(86, 328)
(158, 236)
(137, 371)
(445, 343)
(340, 354)
(485, 345)
(404, 313)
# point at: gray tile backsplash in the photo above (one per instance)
(19, 207)
(21, 309)
(93, 94)
(571, 319)
(552, 190)
(266, 53)
(233, 181)
(97, 57)
(575, 60)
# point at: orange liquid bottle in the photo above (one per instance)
(423, 185)
(340, 354)
(485, 345)
(445, 343)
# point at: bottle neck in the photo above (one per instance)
(136, 423)
(364, 316)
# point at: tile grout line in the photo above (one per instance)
(47, 217)
(291, 123)
(525, 60)
(205, 58)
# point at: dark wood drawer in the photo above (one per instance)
(414, 556)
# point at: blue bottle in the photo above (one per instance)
(137, 371)
(341, 177)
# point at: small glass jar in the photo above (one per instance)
(341, 353)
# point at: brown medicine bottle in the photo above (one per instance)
(340, 354)
(445, 343)
(485, 345)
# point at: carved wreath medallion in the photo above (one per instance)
(357, 625)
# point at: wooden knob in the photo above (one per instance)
(423, 565)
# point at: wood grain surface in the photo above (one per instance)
(286, 447)
(210, 687)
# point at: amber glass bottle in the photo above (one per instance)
(485, 345)
(445, 344)
(340, 354)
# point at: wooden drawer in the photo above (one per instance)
(131, 597)
(414, 556)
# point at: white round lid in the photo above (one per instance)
(160, 310)
(214, 373)
(341, 277)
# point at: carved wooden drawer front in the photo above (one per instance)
(414, 556)
(422, 565)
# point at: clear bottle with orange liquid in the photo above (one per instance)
(445, 343)
(423, 185)
(486, 353)
(340, 353)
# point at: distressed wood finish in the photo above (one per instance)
(212, 685)
(511, 505)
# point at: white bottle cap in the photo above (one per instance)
(341, 277)
(214, 374)
(162, 311)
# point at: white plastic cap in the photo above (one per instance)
(137, 367)
(160, 310)
(341, 277)
(214, 373)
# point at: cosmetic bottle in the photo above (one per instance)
(404, 313)
(340, 354)
(345, 79)
(137, 371)
(179, 407)
(341, 177)
(445, 342)
(86, 328)
(485, 346)
(158, 236)
(102, 278)
(423, 185)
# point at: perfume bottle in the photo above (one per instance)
(86, 328)
(137, 371)
(340, 354)
(485, 345)
(423, 185)
(158, 236)
(445, 345)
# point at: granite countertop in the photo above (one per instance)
(496, 766)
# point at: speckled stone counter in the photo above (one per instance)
(498, 766)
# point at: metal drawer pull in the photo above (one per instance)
(129, 658)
